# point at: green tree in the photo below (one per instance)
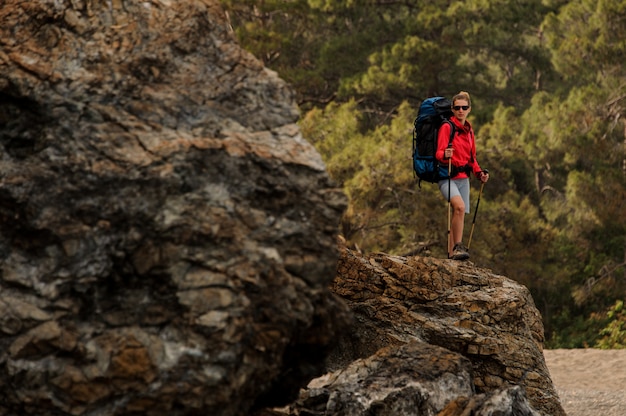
(575, 139)
(613, 335)
(548, 92)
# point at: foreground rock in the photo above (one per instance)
(167, 235)
(432, 337)
(413, 379)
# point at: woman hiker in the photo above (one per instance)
(462, 155)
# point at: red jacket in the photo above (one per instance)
(464, 145)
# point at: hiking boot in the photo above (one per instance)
(460, 252)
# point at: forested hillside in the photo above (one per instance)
(548, 89)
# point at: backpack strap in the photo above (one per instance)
(452, 131)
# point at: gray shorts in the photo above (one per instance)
(458, 187)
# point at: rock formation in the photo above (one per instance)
(167, 236)
(432, 337)
(167, 243)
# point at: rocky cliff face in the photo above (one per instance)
(167, 242)
(167, 236)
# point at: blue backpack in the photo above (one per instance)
(433, 112)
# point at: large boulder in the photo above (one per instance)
(167, 236)
(432, 337)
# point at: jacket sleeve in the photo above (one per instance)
(474, 162)
(443, 138)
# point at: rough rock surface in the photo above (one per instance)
(167, 237)
(413, 379)
(487, 331)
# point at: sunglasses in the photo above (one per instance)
(458, 107)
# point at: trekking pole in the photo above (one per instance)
(449, 218)
(482, 185)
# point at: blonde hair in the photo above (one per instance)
(462, 96)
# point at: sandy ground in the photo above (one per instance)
(590, 382)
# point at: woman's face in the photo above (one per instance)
(461, 109)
